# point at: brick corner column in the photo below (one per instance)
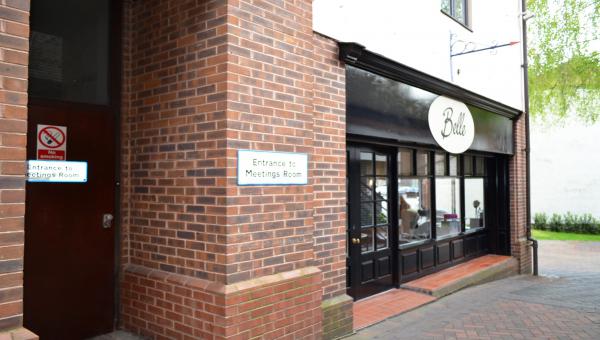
(329, 178)
(518, 198)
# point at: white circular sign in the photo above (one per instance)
(451, 124)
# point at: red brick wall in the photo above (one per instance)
(270, 107)
(329, 164)
(174, 137)
(14, 53)
(172, 306)
(518, 198)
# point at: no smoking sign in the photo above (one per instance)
(52, 142)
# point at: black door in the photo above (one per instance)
(369, 221)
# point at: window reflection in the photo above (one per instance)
(440, 164)
(474, 203)
(447, 201)
(366, 240)
(414, 211)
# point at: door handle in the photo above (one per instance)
(355, 240)
(107, 221)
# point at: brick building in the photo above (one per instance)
(148, 226)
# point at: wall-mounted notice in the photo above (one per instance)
(56, 171)
(272, 168)
(51, 142)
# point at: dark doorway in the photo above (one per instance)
(370, 220)
(69, 282)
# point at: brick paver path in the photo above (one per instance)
(563, 304)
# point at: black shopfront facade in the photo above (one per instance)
(414, 208)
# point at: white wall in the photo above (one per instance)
(565, 169)
(417, 34)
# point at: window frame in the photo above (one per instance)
(452, 14)
(415, 175)
(461, 174)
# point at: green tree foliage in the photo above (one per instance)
(564, 59)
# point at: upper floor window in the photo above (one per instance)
(457, 9)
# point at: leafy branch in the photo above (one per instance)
(564, 65)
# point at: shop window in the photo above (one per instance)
(423, 163)
(440, 164)
(453, 165)
(474, 193)
(414, 198)
(457, 9)
(447, 202)
(405, 162)
(468, 165)
(474, 203)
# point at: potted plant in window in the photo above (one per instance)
(477, 222)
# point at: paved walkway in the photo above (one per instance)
(562, 304)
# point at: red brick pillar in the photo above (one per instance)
(14, 53)
(329, 178)
(202, 256)
(518, 198)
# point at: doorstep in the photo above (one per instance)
(482, 269)
(429, 288)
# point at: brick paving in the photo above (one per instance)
(563, 303)
(380, 307)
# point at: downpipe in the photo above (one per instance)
(532, 242)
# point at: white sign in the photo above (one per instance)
(56, 171)
(451, 124)
(272, 168)
(51, 142)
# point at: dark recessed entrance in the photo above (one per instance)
(69, 285)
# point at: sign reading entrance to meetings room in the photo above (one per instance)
(451, 124)
(272, 168)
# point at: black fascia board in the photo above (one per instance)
(357, 55)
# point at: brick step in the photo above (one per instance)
(480, 270)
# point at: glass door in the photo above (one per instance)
(369, 221)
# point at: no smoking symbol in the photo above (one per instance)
(51, 137)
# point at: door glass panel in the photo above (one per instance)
(366, 189)
(366, 240)
(381, 188)
(366, 214)
(366, 163)
(69, 50)
(382, 237)
(381, 212)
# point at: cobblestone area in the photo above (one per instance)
(563, 303)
